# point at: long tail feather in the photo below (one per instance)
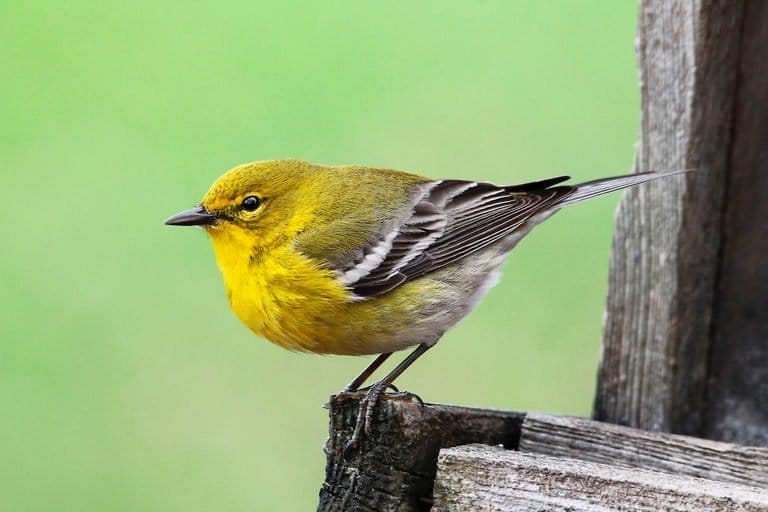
(590, 189)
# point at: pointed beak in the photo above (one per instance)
(198, 216)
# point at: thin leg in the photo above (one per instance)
(360, 379)
(404, 364)
(365, 414)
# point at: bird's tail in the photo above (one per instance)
(590, 189)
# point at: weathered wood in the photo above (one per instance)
(737, 391)
(394, 468)
(590, 441)
(676, 358)
(481, 478)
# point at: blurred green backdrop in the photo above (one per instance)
(126, 383)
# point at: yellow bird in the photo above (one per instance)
(357, 260)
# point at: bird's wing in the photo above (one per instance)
(449, 221)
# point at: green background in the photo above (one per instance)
(125, 381)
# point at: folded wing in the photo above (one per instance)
(450, 221)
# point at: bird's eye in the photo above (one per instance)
(251, 203)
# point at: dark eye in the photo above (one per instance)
(251, 203)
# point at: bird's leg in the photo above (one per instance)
(360, 379)
(365, 413)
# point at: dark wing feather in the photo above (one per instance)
(452, 220)
(537, 185)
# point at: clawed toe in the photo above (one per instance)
(367, 389)
(364, 423)
(414, 397)
(365, 413)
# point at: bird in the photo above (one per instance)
(357, 260)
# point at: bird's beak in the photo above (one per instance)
(195, 217)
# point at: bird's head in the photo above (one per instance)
(253, 205)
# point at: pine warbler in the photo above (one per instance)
(355, 260)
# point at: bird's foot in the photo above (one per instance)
(364, 422)
(365, 414)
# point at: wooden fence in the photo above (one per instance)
(685, 348)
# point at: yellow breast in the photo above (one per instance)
(291, 300)
(283, 296)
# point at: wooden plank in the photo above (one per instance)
(676, 357)
(394, 468)
(481, 478)
(591, 441)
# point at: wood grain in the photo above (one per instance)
(481, 478)
(394, 468)
(686, 317)
(737, 385)
(591, 441)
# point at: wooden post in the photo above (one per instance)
(685, 346)
(394, 467)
